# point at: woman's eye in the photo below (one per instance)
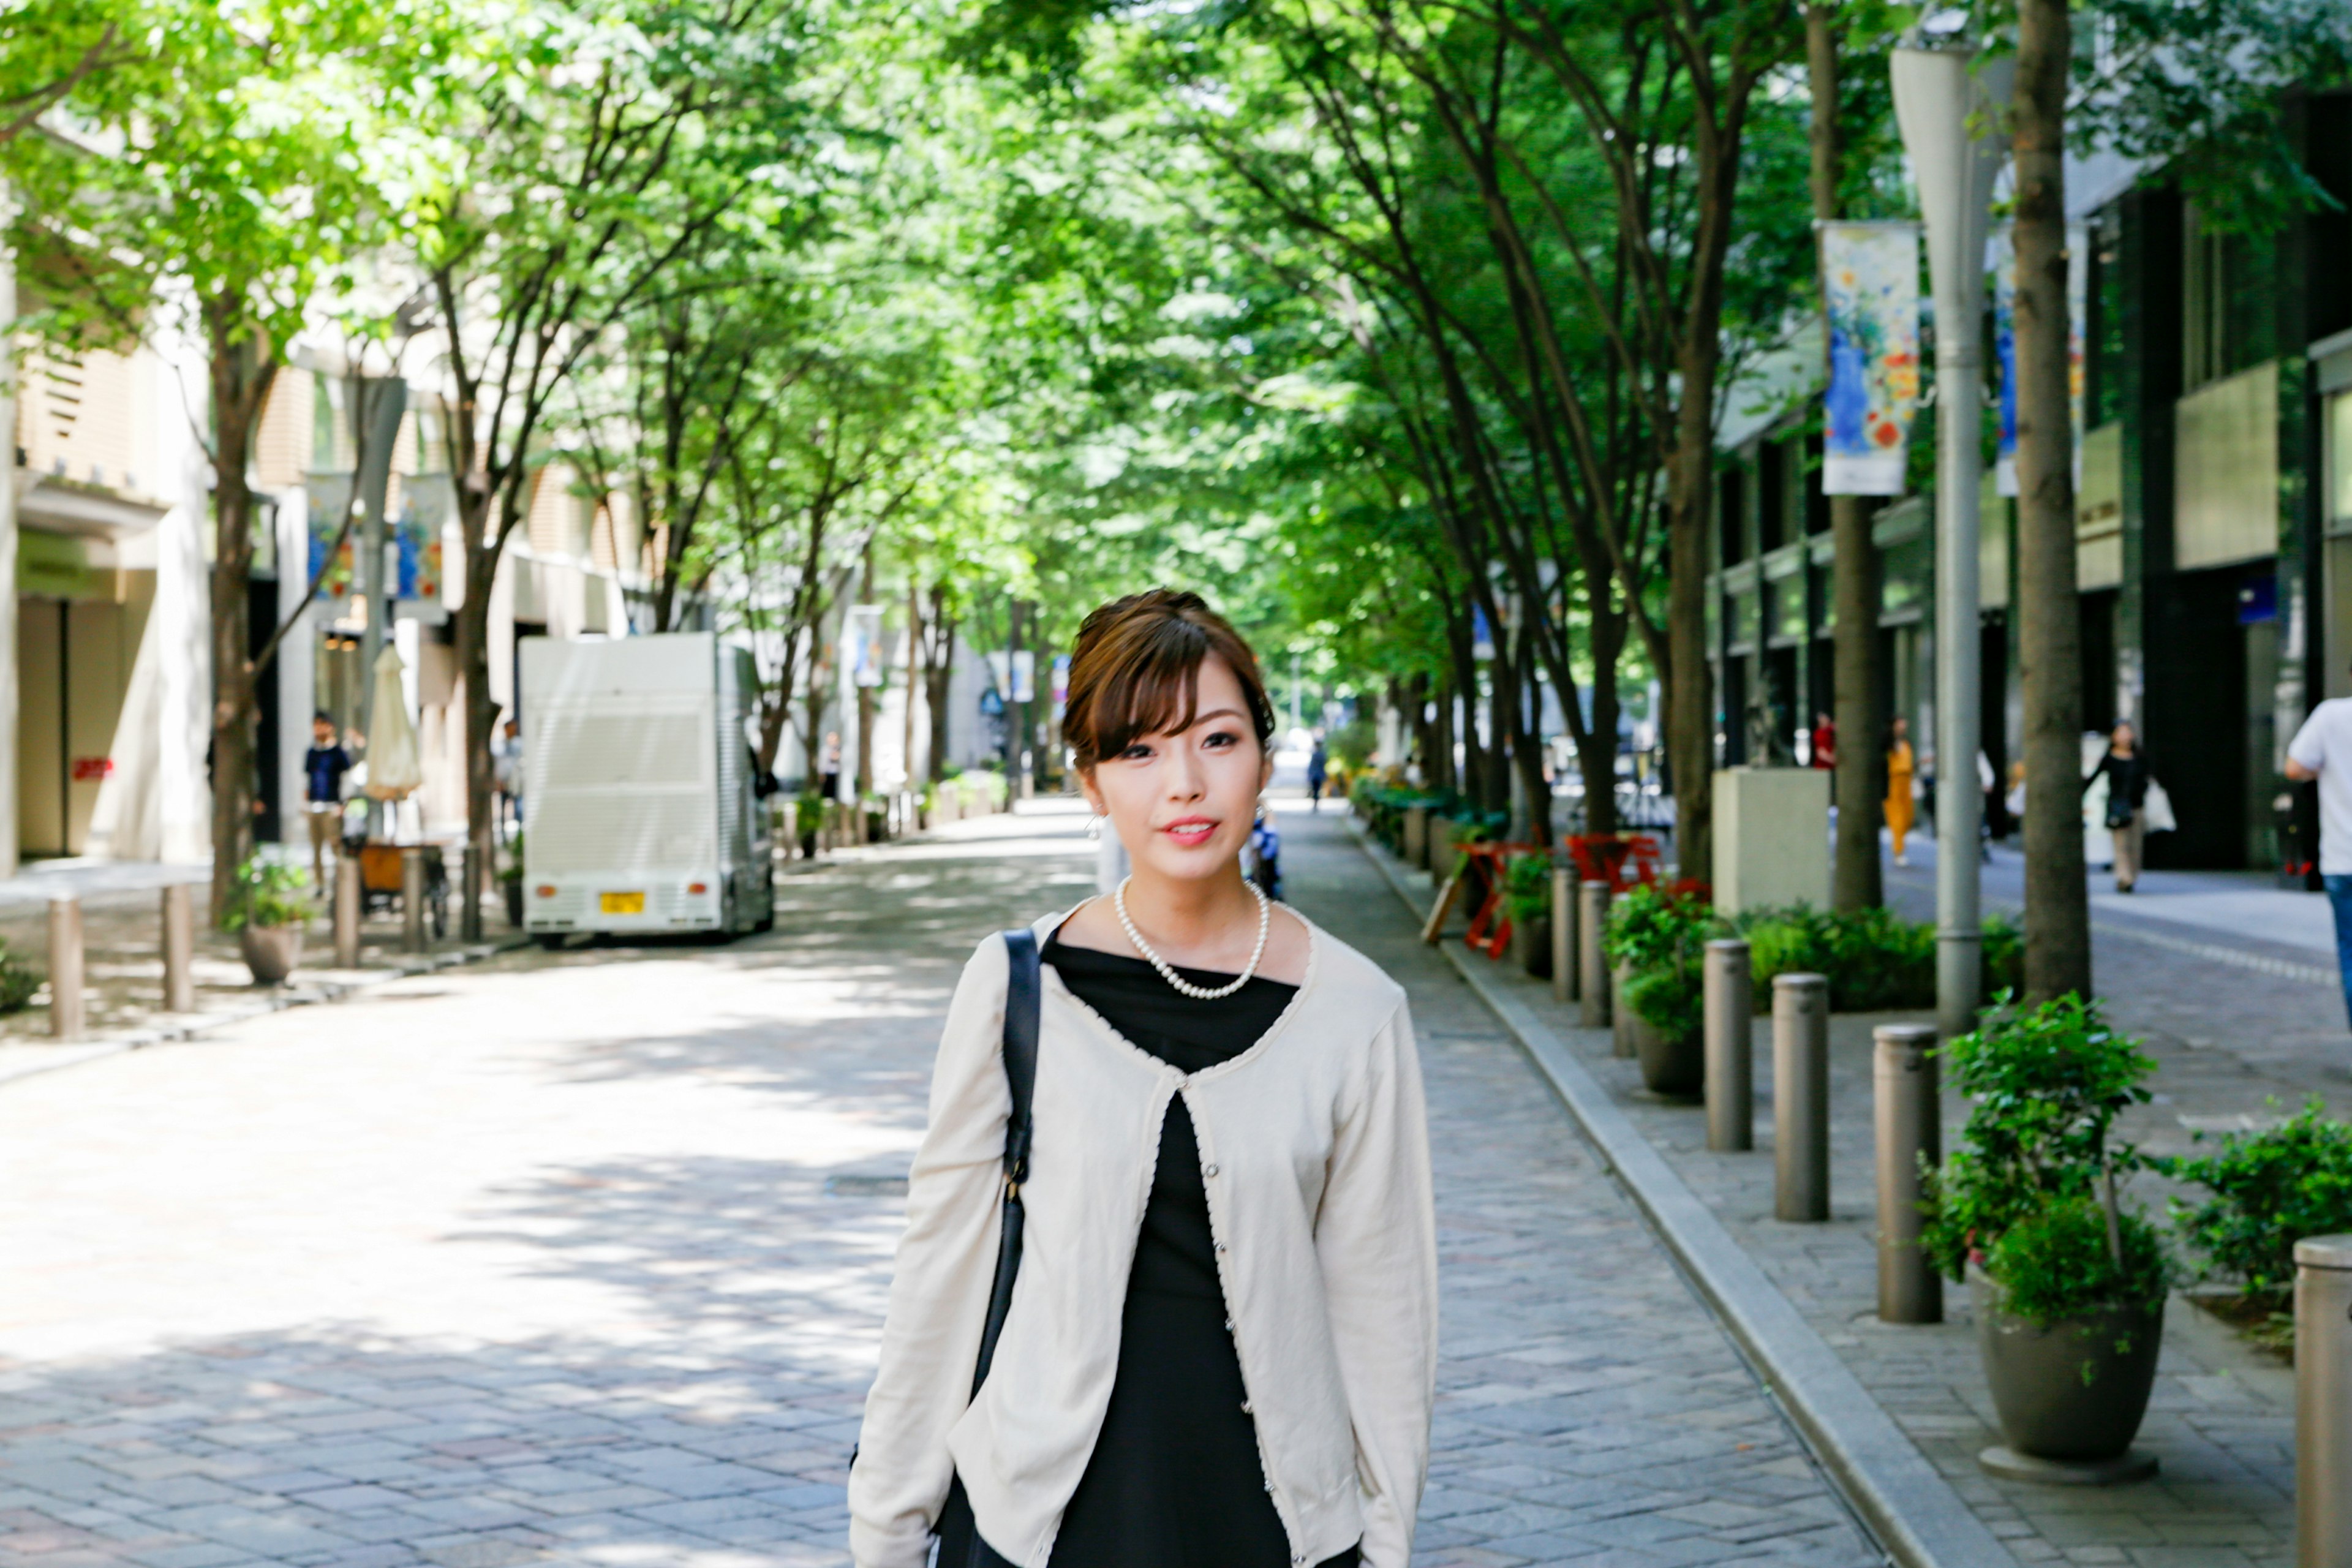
(1221, 739)
(1136, 754)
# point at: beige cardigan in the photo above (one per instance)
(1314, 1147)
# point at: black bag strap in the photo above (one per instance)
(1023, 984)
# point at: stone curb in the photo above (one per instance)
(187, 1026)
(1907, 1504)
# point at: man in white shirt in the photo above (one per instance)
(2322, 750)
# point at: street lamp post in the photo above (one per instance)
(1947, 104)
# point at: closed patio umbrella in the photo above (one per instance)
(393, 768)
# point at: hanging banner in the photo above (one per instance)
(2000, 263)
(1870, 274)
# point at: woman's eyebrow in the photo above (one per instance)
(1217, 714)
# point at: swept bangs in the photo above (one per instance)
(1137, 671)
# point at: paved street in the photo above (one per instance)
(581, 1258)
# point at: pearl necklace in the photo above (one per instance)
(1183, 986)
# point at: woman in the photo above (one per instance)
(1899, 785)
(1222, 1343)
(2125, 772)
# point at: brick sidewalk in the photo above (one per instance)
(2222, 1422)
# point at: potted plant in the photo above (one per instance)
(2069, 1282)
(1655, 940)
(511, 880)
(1527, 899)
(267, 907)
(808, 812)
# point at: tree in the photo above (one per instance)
(583, 159)
(237, 180)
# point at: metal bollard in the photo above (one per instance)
(65, 969)
(179, 950)
(412, 897)
(2322, 1401)
(1801, 1098)
(1730, 1047)
(347, 911)
(1591, 966)
(1620, 1015)
(470, 878)
(1416, 836)
(1910, 1127)
(1563, 933)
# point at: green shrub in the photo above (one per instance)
(2059, 1261)
(2047, 1085)
(18, 980)
(1874, 961)
(1657, 935)
(1670, 997)
(1651, 925)
(2270, 1189)
(511, 871)
(266, 894)
(1527, 889)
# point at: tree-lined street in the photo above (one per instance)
(582, 1260)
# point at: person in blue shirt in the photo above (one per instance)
(323, 767)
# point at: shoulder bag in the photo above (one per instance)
(1021, 985)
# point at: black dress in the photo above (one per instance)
(1175, 1481)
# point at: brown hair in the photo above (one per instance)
(1137, 671)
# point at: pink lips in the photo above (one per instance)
(1190, 831)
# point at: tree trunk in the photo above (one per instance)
(937, 678)
(1596, 752)
(1526, 745)
(865, 703)
(1440, 766)
(473, 648)
(2057, 906)
(240, 371)
(1854, 571)
(1016, 715)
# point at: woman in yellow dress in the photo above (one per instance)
(1899, 785)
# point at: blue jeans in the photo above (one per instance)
(2339, 899)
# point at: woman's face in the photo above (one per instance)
(1182, 803)
(2121, 737)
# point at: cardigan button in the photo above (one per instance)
(1221, 1246)
(1208, 1170)
(1229, 1325)
(1246, 1407)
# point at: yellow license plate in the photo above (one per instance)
(622, 903)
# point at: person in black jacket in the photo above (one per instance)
(2127, 778)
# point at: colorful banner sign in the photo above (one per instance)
(1870, 274)
(2002, 263)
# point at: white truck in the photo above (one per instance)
(641, 814)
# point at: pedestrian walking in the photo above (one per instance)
(1900, 769)
(2125, 772)
(1262, 860)
(2322, 750)
(1318, 773)
(1824, 741)
(323, 767)
(1220, 1351)
(506, 771)
(829, 773)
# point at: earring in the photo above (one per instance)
(1094, 826)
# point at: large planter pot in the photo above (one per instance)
(1531, 946)
(2074, 1391)
(1441, 849)
(1416, 836)
(1675, 1068)
(270, 951)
